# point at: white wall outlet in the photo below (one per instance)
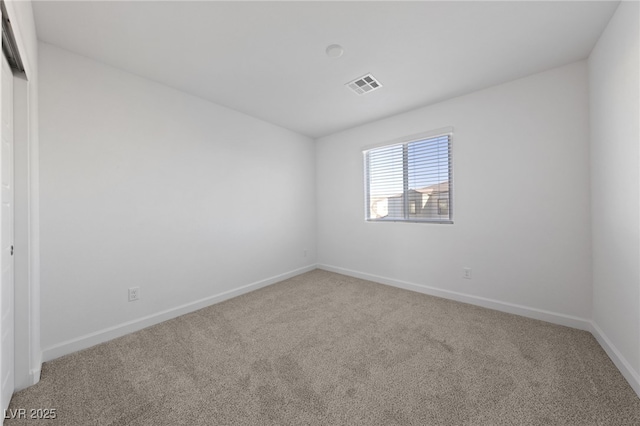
(466, 273)
(304, 253)
(134, 294)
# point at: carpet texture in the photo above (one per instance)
(326, 349)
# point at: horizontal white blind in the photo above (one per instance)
(410, 181)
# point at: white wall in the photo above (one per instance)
(615, 184)
(143, 185)
(521, 201)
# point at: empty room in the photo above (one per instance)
(320, 213)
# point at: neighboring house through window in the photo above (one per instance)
(410, 180)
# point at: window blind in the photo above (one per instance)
(410, 181)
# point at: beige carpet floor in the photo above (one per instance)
(326, 349)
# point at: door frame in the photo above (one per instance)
(28, 352)
(7, 270)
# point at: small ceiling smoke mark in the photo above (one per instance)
(365, 84)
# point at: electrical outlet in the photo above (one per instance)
(466, 273)
(304, 253)
(134, 294)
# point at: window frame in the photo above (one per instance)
(405, 141)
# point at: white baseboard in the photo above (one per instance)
(620, 361)
(101, 336)
(34, 375)
(119, 330)
(525, 311)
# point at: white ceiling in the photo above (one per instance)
(267, 59)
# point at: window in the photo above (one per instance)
(410, 181)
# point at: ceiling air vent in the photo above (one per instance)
(365, 84)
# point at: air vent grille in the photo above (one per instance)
(365, 84)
